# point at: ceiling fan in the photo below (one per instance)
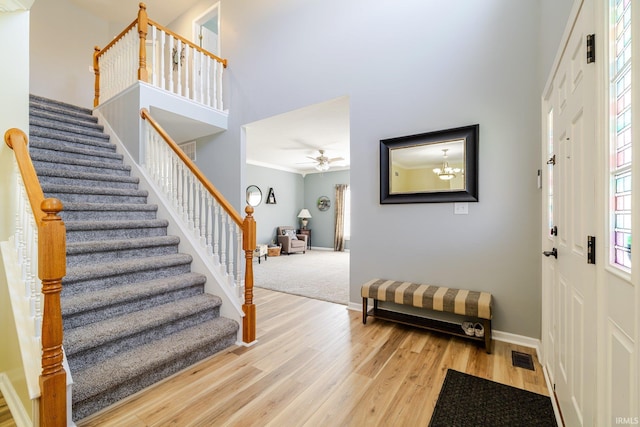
(323, 162)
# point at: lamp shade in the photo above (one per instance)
(304, 214)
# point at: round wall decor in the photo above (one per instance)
(324, 203)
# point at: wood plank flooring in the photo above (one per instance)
(6, 419)
(316, 364)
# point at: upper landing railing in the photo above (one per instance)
(146, 51)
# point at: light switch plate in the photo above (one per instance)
(461, 208)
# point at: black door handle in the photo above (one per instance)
(553, 252)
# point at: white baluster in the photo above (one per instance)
(210, 225)
(162, 60)
(223, 240)
(230, 250)
(187, 75)
(196, 208)
(216, 232)
(239, 259)
(220, 106)
(179, 46)
(204, 195)
(207, 82)
(214, 97)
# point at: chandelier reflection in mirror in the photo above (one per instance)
(446, 172)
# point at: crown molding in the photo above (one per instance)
(15, 5)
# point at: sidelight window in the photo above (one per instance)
(621, 137)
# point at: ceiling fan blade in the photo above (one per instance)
(336, 159)
(317, 159)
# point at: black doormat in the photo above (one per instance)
(522, 360)
(468, 401)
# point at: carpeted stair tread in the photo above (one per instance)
(114, 225)
(98, 191)
(110, 245)
(77, 340)
(137, 362)
(72, 164)
(80, 253)
(76, 152)
(120, 267)
(81, 211)
(72, 141)
(63, 173)
(91, 301)
(48, 103)
(56, 127)
(64, 116)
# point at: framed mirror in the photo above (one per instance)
(433, 167)
(254, 195)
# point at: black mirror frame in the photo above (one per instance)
(471, 136)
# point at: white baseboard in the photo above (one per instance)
(18, 412)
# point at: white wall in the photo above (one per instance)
(411, 68)
(14, 112)
(62, 41)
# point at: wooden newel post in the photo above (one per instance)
(51, 270)
(249, 246)
(96, 71)
(143, 22)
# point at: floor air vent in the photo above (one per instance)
(522, 360)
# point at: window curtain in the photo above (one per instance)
(338, 240)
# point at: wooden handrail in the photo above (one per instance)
(248, 226)
(51, 269)
(144, 113)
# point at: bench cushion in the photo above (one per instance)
(458, 301)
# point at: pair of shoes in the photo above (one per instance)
(478, 330)
(468, 328)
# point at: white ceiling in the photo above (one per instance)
(281, 142)
(125, 11)
(286, 141)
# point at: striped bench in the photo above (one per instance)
(474, 306)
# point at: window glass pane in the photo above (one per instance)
(621, 139)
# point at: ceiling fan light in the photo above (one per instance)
(322, 166)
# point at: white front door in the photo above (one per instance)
(569, 281)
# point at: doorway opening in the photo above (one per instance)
(206, 30)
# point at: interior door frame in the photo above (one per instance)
(207, 15)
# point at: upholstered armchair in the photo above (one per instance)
(290, 241)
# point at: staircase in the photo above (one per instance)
(133, 312)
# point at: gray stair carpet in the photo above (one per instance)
(133, 311)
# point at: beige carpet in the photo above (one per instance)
(316, 274)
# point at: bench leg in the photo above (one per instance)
(365, 303)
(487, 335)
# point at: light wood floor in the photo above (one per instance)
(316, 364)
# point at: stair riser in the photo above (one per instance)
(61, 180)
(94, 284)
(80, 168)
(100, 314)
(98, 354)
(125, 254)
(96, 198)
(105, 146)
(51, 151)
(107, 215)
(142, 380)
